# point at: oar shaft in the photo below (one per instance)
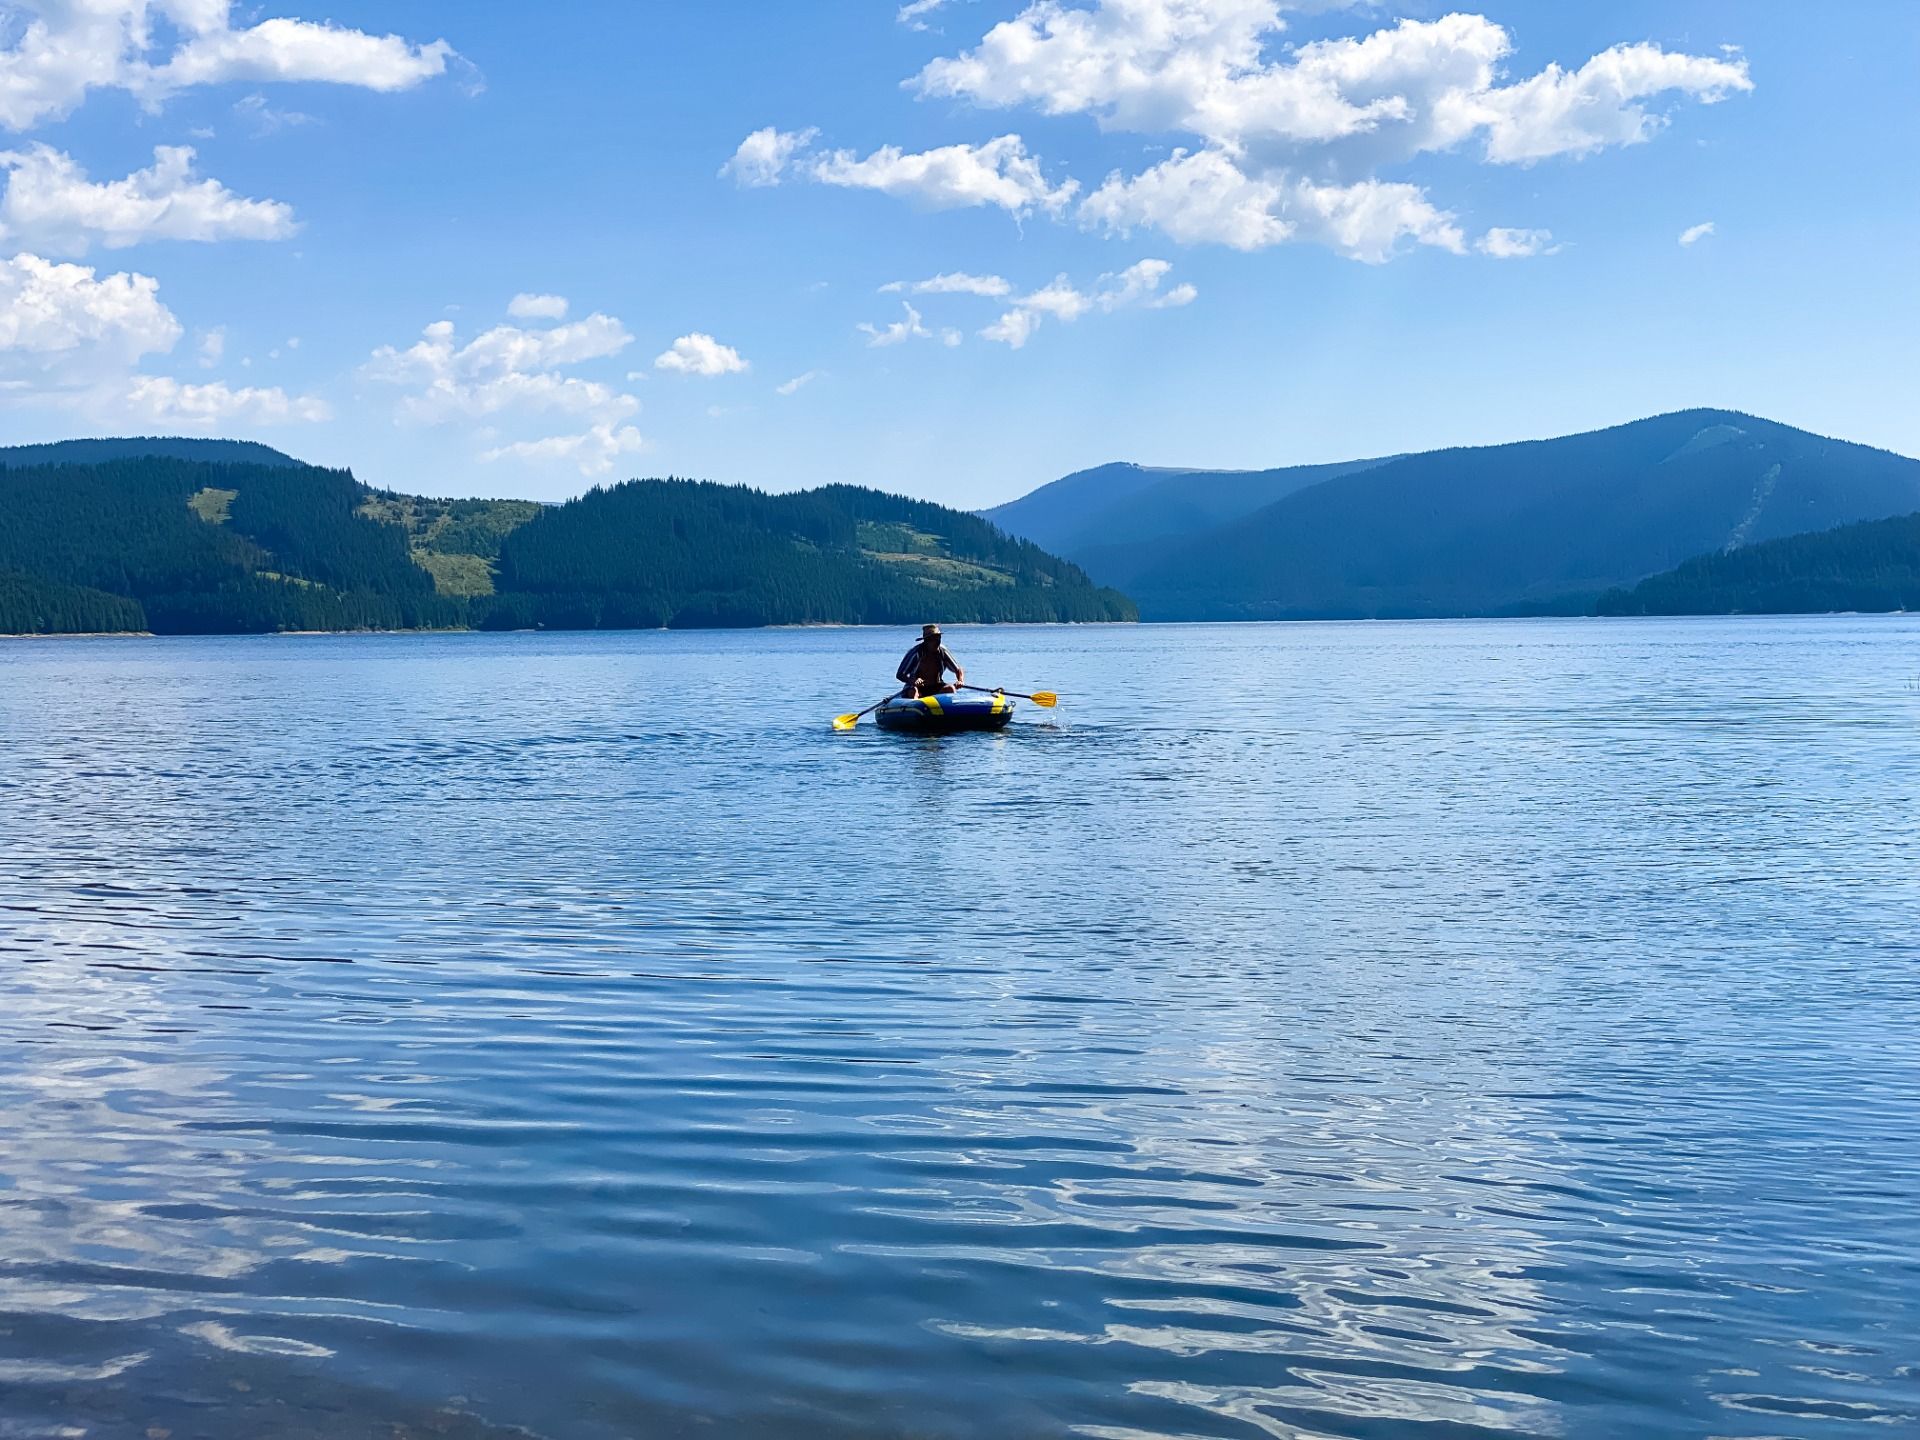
(985, 691)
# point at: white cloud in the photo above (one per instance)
(1292, 141)
(793, 386)
(1201, 66)
(1367, 221)
(1137, 285)
(955, 283)
(213, 344)
(1506, 244)
(593, 451)
(282, 49)
(1205, 197)
(900, 331)
(1576, 112)
(525, 306)
(51, 206)
(164, 401)
(1012, 328)
(506, 368)
(1694, 234)
(998, 172)
(53, 310)
(62, 49)
(1198, 198)
(913, 14)
(700, 354)
(763, 156)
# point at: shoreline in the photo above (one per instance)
(959, 625)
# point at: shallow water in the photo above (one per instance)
(1356, 1030)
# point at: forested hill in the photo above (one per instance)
(1872, 566)
(178, 545)
(685, 553)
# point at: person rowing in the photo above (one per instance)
(924, 668)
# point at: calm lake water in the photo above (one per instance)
(1480, 1029)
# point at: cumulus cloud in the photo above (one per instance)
(793, 386)
(213, 344)
(1576, 112)
(955, 283)
(763, 156)
(1202, 67)
(1198, 198)
(166, 401)
(62, 49)
(998, 172)
(1507, 244)
(537, 307)
(1290, 143)
(49, 311)
(1694, 234)
(700, 354)
(281, 49)
(1137, 285)
(50, 205)
(506, 368)
(914, 13)
(1206, 198)
(593, 452)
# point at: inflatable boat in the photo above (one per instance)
(944, 714)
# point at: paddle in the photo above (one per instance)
(847, 722)
(1045, 699)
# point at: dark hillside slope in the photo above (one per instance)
(1873, 566)
(203, 548)
(1543, 524)
(166, 447)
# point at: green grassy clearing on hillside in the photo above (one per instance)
(211, 505)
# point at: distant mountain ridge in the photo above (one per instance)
(1121, 506)
(1537, 526)
(167, 447)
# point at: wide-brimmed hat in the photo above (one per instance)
(929, 629)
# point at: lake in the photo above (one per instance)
(1445, 1029)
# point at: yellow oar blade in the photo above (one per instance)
(845, 722)
(1045, 699)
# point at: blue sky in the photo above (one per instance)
(1198, 232)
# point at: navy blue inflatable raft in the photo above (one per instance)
(944, 714)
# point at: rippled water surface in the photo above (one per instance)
(1362, 1030)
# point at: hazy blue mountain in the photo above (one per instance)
(1116, 519)
(1543, 525)
(166, 447)
(1870, 566)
